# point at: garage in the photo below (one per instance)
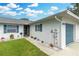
(69, 33)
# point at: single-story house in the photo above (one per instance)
(13, 28)
(58, 30)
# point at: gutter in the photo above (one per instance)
(57, 19)
(72, 14)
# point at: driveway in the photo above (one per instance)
(71, 50)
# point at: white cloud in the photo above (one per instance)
(54, 8)
(28, 10)
(38, 11)
(12, 5)
(11, 13)
(4, 8)
(33, 5)
(21, 12)
(30, 14)
(19, 8)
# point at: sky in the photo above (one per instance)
(31, 11)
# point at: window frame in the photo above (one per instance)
(10, 27)
(38, 27)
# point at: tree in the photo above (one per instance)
(75, 10)
(24, 19)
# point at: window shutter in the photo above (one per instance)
(41, 27)
(17, 29)
(4, 28)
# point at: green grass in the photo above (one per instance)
(20, 47)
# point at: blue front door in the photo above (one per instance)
(69, 33)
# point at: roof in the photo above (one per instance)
(26, 22)
(58, 14)
(13, 21)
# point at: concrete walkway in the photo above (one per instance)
(72, 50)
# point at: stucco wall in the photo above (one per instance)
(77, 33)
(49, 25)
(46, 34)
(7, 35)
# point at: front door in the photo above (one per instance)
(69, 33)
(26, 30)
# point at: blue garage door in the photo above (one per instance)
(69, 33)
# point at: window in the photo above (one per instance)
(11, 29)
(38, 27)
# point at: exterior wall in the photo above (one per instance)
(77, 33)
(49, 25)
(7, 35)
(46, 35)
(63, 36)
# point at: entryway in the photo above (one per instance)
(69, 33)
(26, 30)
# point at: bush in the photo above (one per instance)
(51, 45)
(11, 36)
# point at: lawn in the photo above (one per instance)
(20, 47)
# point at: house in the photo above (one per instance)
(13, 28)
(58, 30)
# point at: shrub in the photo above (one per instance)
(42, 41)
(51, 45)
(35, 38)
(31, 36)
(11, 36)
(2, 38)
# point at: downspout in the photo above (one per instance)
(60, 31)
(57, 19)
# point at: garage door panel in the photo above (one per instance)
(69, 33)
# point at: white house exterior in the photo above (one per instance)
(59, 30)
(13, 27)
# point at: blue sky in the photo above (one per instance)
(32, 11)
